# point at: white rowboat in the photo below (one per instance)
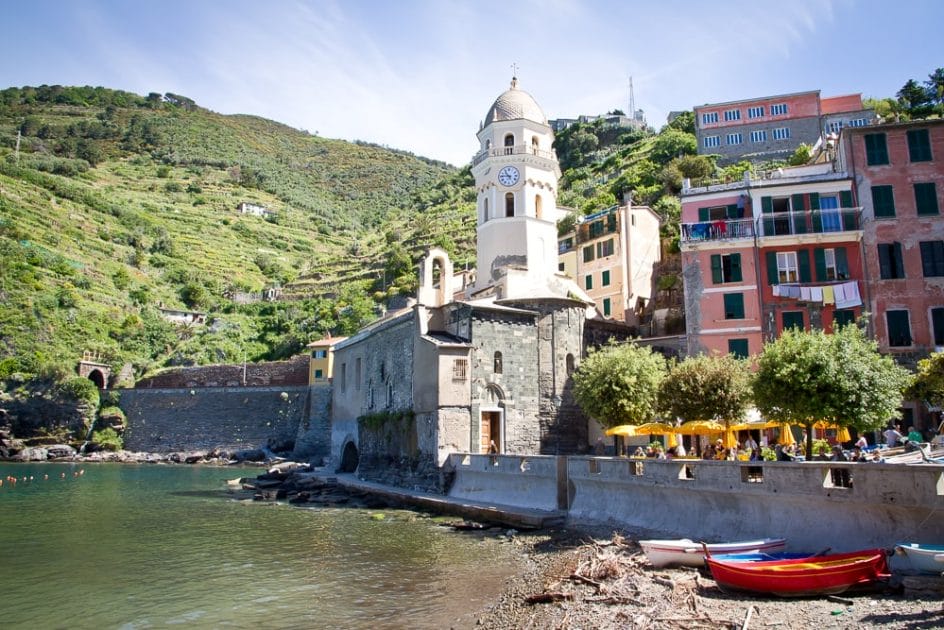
(923, 558)
(663, 553)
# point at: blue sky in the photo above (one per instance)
(420, 75)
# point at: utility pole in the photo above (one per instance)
(632, 100)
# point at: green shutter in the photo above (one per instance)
(793, 319)
(703, 214)
(845, 198)
(734, 306)
(843, 317)
(772, 276)
(884, 261)
(732, 211)
(767, 208)
(798, 203)
(735, 268)
(803, 261)
(716, 275)
(814, 201)
(899, 263)
(937, 324)
(819, 264)
(738, 348)
(842, 263)
(919, 145)
(899, 330)
(926, 198)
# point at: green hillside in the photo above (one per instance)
(113, 204)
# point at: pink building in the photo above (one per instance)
(762, 255)
(899, 175)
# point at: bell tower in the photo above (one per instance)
(516, 174)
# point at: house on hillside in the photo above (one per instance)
(256, 210)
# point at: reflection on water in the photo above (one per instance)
(150, 546)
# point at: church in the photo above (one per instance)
(482, 368)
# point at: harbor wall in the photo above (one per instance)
(227, 418)
(882, 505)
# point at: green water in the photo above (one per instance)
(158, 546)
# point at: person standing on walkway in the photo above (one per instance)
(892, 436)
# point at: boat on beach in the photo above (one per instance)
(923, 558)
(685, 552)
(764, 557)
(816, 575)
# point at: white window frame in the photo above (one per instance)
(834, 127)
(732, 114)
(711, 142)
(787, 268)
(734, 138)
(781, 133)
(709, 117)
(778, 109)
(859, 122)
(755, 112)
(759, 135)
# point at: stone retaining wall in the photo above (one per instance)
(705, 500)
(293, 372)
(230, 418)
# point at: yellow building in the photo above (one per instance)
(321, 359)
(611, 255)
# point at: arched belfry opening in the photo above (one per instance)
(538, 207)
(509, 204)
(436, 277)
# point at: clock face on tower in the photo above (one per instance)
(508, 176)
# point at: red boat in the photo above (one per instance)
(823, 575)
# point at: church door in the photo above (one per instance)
(491, 430)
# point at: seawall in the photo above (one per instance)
(705, 500)
(230, 418)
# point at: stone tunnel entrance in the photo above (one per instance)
(93, 368)
(349, 458)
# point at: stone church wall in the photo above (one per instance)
(228, 418)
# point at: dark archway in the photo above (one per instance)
(98, 378)
(349, 458)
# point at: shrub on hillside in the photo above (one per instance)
(79, 389)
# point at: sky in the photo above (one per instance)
(420, 75)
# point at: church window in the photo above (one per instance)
(509, 204)
(570, 364)
(488, 144)
(485, 208)
(509, 144)
(538, 206)
(344, 377)
(498, 363)
(534, 144)
(357, 374)
(460, 368)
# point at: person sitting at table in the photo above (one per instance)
(639, 452)
(709, 452)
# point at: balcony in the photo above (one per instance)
(720, 230)
(518, 149)
(774, 224)
(809, 222)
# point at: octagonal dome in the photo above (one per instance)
(514, 104)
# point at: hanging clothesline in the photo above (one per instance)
(844, 295)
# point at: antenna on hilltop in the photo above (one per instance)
(632, 99)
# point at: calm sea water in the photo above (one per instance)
(156, 546)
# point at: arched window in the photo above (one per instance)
(509, 204)
(570, 364)
(538, 206)
(485, 210)
(488, 144)
(498, 363)
(509, 144)
(534, 145)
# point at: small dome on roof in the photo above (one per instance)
(514, 104)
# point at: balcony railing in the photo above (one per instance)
(518, 149)
(717, 230)
(809, 222)
(775, 224)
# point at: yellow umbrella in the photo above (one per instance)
(786, 435)
(728, 439)
(754, 426)
(842, 433)
(626, 430)
(655, 428)
(700, 427)
(671, 441)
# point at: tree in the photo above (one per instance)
(801, 156)
(685, 121)
(806, 377)
(928, 384)
(706, 387)
(935, 86)
(672, 143)
(619, 384)
(915, 98)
